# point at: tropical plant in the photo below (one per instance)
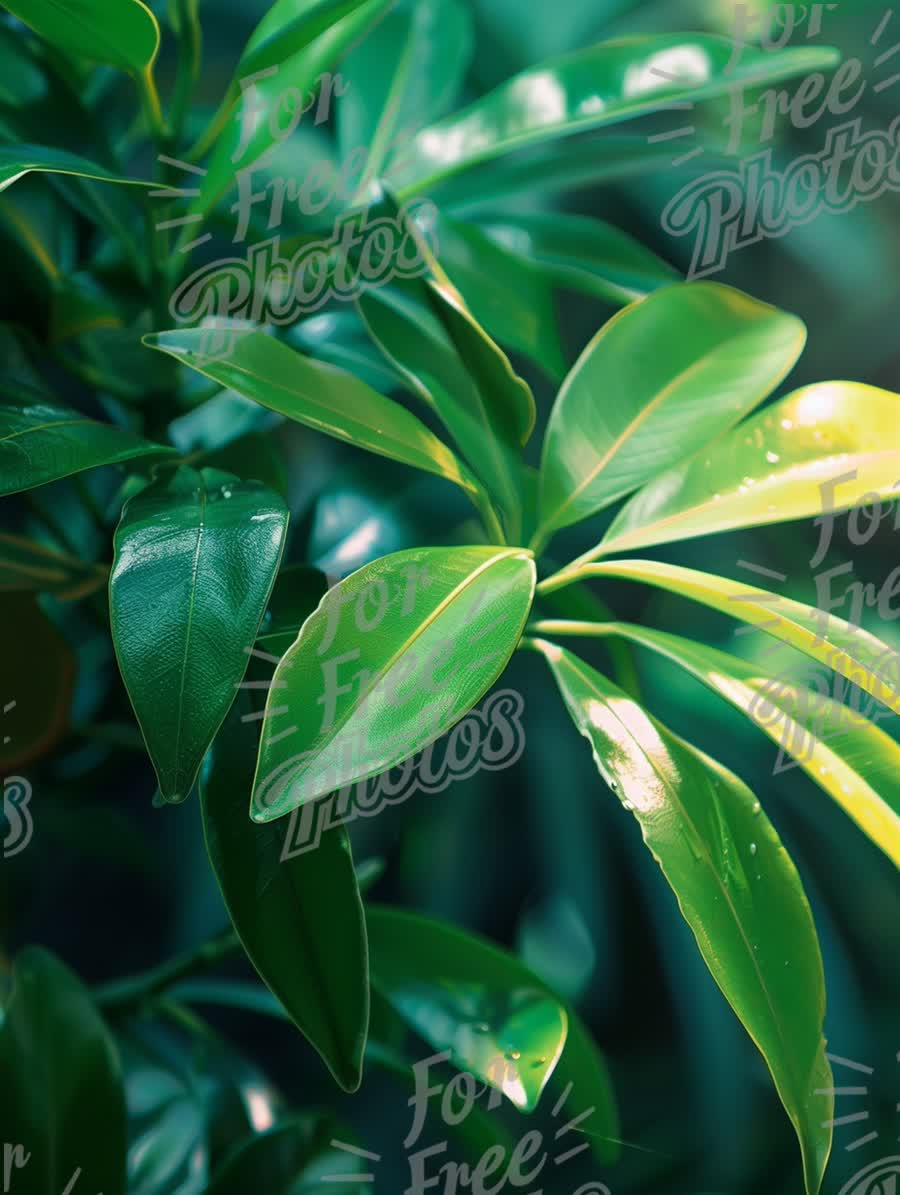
(266, 686)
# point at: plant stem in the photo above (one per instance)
(132, 991)
(564, 626)
(190, 52)
(152, 107)
(489, 517)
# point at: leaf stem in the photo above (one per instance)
(152, 107)
(132, 991)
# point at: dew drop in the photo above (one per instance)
(627, 805)
(756, 808)
(773, 458)
(482, 1028)
(513, 1055)
(787, 424)
(753, 848)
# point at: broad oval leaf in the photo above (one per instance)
(660, 379)
(823, 449)
(855, 653)
(199, 551)
(582, 254)
(604, 84)
(63, 1099)
(317, 394)
(124, 34)
(392, 658)
(17, 160)
(316, 966)
(736, 885)
(40, 442)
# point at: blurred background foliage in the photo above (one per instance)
(536, 857)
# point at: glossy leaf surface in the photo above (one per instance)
(610, 82)
(318, 395)
(737, 888)
(660, 379)
(40, 442)
(815, 452)
(16, 160)
(62, 1087)
(392, 658)
(124, 34)
(200, 550)
(850, 650)
(316, 965)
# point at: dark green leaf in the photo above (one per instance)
(200, 550)
(294, 1157)
(316, 965)
(26, 564)
(16, 160)
(298, 590)
(124, 34)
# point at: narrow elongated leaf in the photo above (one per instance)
(392, 658)
(583, 254)
(497, 1019)
(124, 34)
(16, 160)
(40, 442)
(853, 652)
(198, 550)
(737, 888)
(244, 138)
(403, 74)
(63, 1100)
(601, 85)
(317, 966)
(819, 450)
(850, 757)
(26, 564)
(318, 395)
(660, 379)
(289, 27)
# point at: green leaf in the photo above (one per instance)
(737, 888)
(124, 34)
(824, 448)
(16, 160)
(199, 550)
(851, 758)
(294, 64)
(295, 1156)
(61, 1081)
(392, 658)
(318, 395)
(494, 1017)
(505, 292)
(660, 379)
(317, 966)
(582, 254)
(40, 442)
(26, 564)
(404, 73)
(855, 653)
(604, 84)
(298, 591)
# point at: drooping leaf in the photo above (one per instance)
(850, 650)
(198, 550)
(820, 450)
(582, 254)
(40, 442)
(63, 1100)
(486, 1009)
(844, 753)
(316, 965)
(602, 85)
(125, 34)
(737, 888)
(318, 395)
(39, 675)
(17, 160)
(404, 73)
(660, 379)
(392, 658)
(26, 564)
